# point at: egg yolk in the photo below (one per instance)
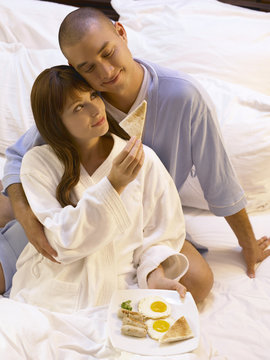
(158, 306)
(161, 325)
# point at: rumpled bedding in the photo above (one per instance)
(236, 314)
(28, 332)
(227, 49)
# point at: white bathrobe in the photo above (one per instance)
(107, 242)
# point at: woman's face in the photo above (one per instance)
(84, 116)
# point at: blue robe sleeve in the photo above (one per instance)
(15, 153)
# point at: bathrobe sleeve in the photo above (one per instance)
(164, 227)
(15, 153)
(74, 232)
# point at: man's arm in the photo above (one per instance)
(15, 153)
(6, 212)
(253, 250)
(32, 227)
(11, 181)
(219, 182)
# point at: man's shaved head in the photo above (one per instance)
(97, 49)
(76, 24)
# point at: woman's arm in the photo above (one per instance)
(157, 280)
(164, 227)
(74, 232)
(99, 215)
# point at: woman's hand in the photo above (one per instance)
(157, 280)
(127, 165)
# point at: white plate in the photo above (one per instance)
(148, 346)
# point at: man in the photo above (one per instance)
(6, 209)
(180, 127)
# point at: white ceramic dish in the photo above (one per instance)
(148, 346)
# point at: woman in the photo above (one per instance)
(109, 207)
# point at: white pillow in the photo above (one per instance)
(35, 24)
(244, 118)
(18, 69)
(226, 48)
(201, 37)
(28, 45)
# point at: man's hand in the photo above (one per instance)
(33, 228)
(256, 254)
(35, 233)
(157, 280)
(127, 165)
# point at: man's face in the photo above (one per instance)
(103, 58)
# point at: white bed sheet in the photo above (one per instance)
(30, 333)
(235, 318)
(236, 315)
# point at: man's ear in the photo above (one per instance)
(120, 30)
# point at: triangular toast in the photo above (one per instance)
(133, 124)
(180, 330)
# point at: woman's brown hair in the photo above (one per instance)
(48, 98)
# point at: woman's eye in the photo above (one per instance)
(78, 108)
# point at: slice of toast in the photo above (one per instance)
(133, 124)
(180, 330)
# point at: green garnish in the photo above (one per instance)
(126, 305)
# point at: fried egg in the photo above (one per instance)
(157, 328)
(154, 307)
